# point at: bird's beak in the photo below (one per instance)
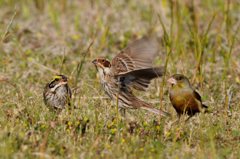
(97, 64)
(172, 81)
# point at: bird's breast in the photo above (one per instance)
(184, 101)
(180, 98)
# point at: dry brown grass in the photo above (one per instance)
(40, 39)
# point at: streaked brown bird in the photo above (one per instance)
(131, 68)
(57, 93)
(183, 97)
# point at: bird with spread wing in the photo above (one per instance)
(130, 69)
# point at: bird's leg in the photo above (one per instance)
(188, 118)
(182, 118)
(122, 112)
(177, 120)
(179, 117)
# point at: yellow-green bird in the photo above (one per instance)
(184, 98)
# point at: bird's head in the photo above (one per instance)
(103, 66)
(101, 63)
(179, 81)
(58, 81)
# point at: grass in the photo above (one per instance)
(40, 39)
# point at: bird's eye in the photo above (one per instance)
(179, 78)
(57, 79)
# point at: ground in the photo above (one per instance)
(40, 38)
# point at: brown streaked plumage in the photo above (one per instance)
(183, 97)
(131, 68)
(57, 93)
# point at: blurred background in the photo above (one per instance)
(42, 38)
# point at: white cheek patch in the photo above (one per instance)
(101, 73)
(57, 85)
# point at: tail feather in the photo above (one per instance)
(156, 111)
(147, 106)
(204, 106)
(206, 110)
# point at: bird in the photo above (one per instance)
(183, 97)
(57, 94)
(130, 69)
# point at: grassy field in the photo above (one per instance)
(42, 38)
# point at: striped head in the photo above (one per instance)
(101, 63)
(58, 81)
(103, 67)
(57, 93)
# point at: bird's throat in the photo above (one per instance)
(57, 85)
(103, 72)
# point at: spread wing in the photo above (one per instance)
(140, 79)
(139, 54)
(134, 61)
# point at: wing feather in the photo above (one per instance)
(139, 54)
(140, 79)
(197, 96)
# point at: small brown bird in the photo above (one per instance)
(57, 93)
(183, 97)
(131, 68)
